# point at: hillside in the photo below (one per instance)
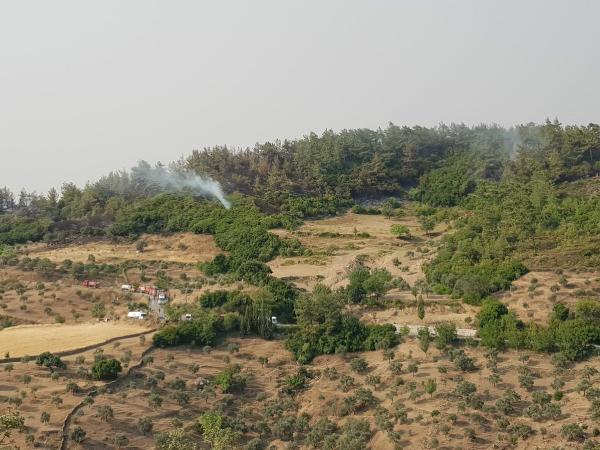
(398, 288)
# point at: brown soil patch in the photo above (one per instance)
(27, 297)
(439, 418)
(36, 395)
(533, 296)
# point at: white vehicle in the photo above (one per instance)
(188, 317)
(125, 287)
(274, 320)
(140, 315)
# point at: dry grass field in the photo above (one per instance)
(179, 247)
(336, 242)
(25, 340)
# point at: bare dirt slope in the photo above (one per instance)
(398, 402)
(533, 296)
(336, 242)
(33, 390)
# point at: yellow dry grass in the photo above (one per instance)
(35, 339)
(179, 247)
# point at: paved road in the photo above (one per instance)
(413, 330)
(156, 308)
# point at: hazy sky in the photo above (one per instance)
(87, 87)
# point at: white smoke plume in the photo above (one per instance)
(177, 180)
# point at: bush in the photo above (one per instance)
(462, 361)
(78, 434)
(145, 425)
(445, 335)
(98, 310)
(230, 379)
(215, 433)
(201, 331)
(359, 365)
(106, 369)
(572, 432)
(50, 361)
(324, 328)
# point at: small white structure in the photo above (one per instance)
(125, 287)
(274, 320)
(188, 317)
(140, 315)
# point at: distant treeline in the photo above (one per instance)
(511, 181)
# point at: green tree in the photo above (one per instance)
(50, 361)
(215, 433)
(8, 422)
(230, 379)
(445, 335)
(174, 440)
(106, 369)
(424, 339)
(430, 386)
(377, 283)
(421, 307)
(427, 224)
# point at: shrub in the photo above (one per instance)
(201, 331)
(361, 400)
(78, 434)
(50, 361)
(105, 413)
(98, 310)
(230, 379)
(572, 432)
(106, 369)
(462, 361)
(445, 335)
(145, 425)
(359, 365)
(215, 433)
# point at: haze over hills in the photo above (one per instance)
(375, 225)
(360, 289)
(91, 88)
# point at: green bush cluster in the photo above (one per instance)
(324, 328)
(106, 369)
(569, 333)
(202, 330)
(16, 229)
